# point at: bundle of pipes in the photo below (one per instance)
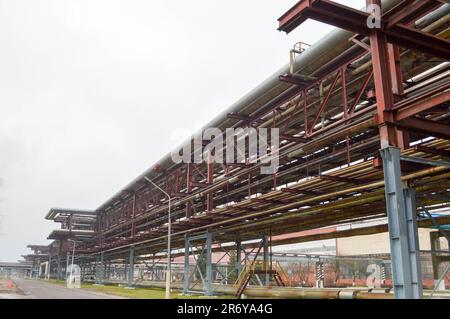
(355, 174)
(311, 203)
(290, 293)
(251, 215)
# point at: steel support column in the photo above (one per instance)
(265, 243)
(47, 276)
(402, 229)
(58, 271)
(238, 257)
(97, 273)
(435, 241)
(102, 269)
(208, 283)
(131, 268)
(210, 180)
(82, 270)
(413, 242)
(205, 253)
(58, 275)
(67, 264)
(99, 269)
(125, 269)
(186, 265)
(189, 188)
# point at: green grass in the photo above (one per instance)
(136, 293)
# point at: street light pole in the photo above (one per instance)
(169, 250)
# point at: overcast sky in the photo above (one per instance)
(93, 92)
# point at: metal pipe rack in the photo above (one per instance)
(362, 101)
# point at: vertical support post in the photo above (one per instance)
(319, 274)
(189, 189)
(383, 85)
(67, 264)
(208, 283)
(344, 92)
(397, 88)
(266, 259)
(125, 269)
(186, 265)
(238, 257)
(153, 267)
(102, 263)
(58, 271)
(131, 268)
(58, 276)
(105, 270)
(396, 71)
(436, 246)
(97, 273)
(209, 180)
(402, 230)
(133, 215)
(413, 242)
(47, 275)
(110, 272)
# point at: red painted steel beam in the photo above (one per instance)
(322, 106)
(325, 11)
(361, 92)
(398, 8)
(133, 225)
(434, 151)
(210, 180)
(423, 104)
(189, 189)
(412, 11)
(418, 40)
(347, 18)
(424, 126)
(294, 16)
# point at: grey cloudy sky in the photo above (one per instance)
(92, 92)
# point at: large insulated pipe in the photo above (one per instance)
(290, 292)
(307, 63)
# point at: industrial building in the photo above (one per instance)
(363, 154)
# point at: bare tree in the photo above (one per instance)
(335, 271)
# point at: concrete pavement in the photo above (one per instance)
(35, 289)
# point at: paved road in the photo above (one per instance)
(34, 289)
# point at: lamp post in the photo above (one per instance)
(169, 231)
